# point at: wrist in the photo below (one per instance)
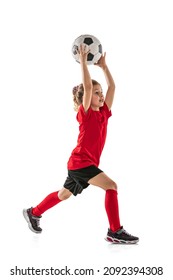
(104, 67)
(83, 62)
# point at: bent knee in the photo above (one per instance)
(112, 186)
(64, 194)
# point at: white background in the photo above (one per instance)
(38, 130)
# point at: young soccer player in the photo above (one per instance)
(93, 112)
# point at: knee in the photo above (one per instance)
(112, 186)
(64, 194)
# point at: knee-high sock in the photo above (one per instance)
(51, 200)
(111, 206)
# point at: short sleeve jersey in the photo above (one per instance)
(91, 138)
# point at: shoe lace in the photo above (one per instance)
(125, 232)
(36, 221)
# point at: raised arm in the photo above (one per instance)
(86, 79)
(109, 80)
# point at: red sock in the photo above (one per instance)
(111, 205)
(51, 200)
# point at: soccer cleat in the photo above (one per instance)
(33, 221)
(121, 237)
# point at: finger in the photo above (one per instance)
(78, 49)
(86, 49)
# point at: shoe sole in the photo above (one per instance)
(117, 241)
(25, 214)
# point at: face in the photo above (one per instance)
(97, 99)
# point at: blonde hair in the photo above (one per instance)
(78, 92)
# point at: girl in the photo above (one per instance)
(93, 112)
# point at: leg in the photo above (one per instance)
(33, 215)
(103, 181)
(111, 200)
(116, 233)
(51, 200)
(64, 194)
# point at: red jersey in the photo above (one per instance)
(91, 139)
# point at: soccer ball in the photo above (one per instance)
(92, 44)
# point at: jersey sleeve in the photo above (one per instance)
(106, 110)
(83, 116)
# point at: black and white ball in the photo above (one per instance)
(92, 44)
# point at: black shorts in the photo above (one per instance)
(77, 179)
